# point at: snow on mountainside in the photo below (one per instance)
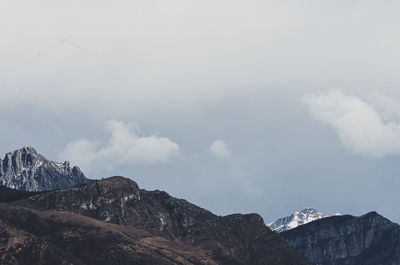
(298, 218)
(26, 170)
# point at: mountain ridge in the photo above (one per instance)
(27, 170)
(234, 239)
(369, 239)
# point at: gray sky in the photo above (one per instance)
(237, 106)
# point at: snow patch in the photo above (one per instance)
(296, 219)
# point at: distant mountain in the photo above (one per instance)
(112, 221)
(298, 218)
(347, 240)
(26, 170)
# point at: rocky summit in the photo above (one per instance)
(296, 219)
(26, 170)
(113, 221)
(347, 240)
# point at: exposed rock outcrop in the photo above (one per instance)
(346, 240)
(26, 170)
(233, 239)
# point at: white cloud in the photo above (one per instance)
(125, 146)
(387, 107)
(219, 149)
(358, 125)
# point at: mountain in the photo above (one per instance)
(298, 218)
(56, 237)
(113, 221)
(30, 237)
(347, 240)
(26, 170)
(10, 195)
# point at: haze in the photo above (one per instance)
(237, 106)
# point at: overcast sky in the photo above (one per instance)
(237, 106)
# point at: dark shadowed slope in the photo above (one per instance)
(30, 237)
(10, 195)
(346, 240)
(234, 239)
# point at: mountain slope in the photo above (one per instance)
(55, 237)
(296, 219)
(347, 240)
(10, 195)
(233, 239)
(26, 170)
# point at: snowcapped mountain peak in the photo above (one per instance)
(296, 219)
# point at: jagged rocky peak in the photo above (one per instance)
(296, 219)
(21, 159)
(26, 169)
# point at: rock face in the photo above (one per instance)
(346, 240)
(26, 170)
(298, 218)
(234, 239)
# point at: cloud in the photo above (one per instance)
(387, 107)
(359, 126)
(219, 149)
(125, 146)
(181, 56)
